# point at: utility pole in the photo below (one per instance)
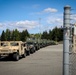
(66, 43)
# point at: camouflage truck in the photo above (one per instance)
(13, 49)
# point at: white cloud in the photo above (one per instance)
(44, 11)
(1, 25)
(50, 10)
(56, 20)
(73, 17)
(20, 25)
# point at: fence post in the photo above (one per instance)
(66, 34)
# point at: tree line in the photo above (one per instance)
(56, 34)
(14, 35)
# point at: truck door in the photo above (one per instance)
(22, 49)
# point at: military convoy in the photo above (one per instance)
(17, 49)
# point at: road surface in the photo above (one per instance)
(46, 61)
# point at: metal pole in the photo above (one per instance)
(66, 44)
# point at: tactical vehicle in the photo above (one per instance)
(31, 44)
(31, 47)
(13, 49)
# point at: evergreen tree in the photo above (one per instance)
(23, 35)
(12, 36)
(8, 34)
(3, 38)
(45, 35)
(16, 35)
(50, 33)
(57, 34)
(27, 34)
(60, 34)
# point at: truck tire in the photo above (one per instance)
(0, 57)
(16, 56)
(34, 49)
(28, 52)
(24, 55)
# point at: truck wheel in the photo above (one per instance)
(24, 55)
(34, 49)
(31, 51)
(28, 52)
(0, 57)
(16, 56)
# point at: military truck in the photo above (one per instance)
(37, 46)
(27, 48)
(36, 43)
(13, 49)
(31, 45)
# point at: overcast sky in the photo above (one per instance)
(33, 15)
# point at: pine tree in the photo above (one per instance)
(23, 35)
(16, 35)
(8, 34)
(3, 38)
(45, 35)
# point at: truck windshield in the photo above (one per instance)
(29, 43)
(14, 44)
(4, 44)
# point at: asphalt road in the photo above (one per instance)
(46, 61)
